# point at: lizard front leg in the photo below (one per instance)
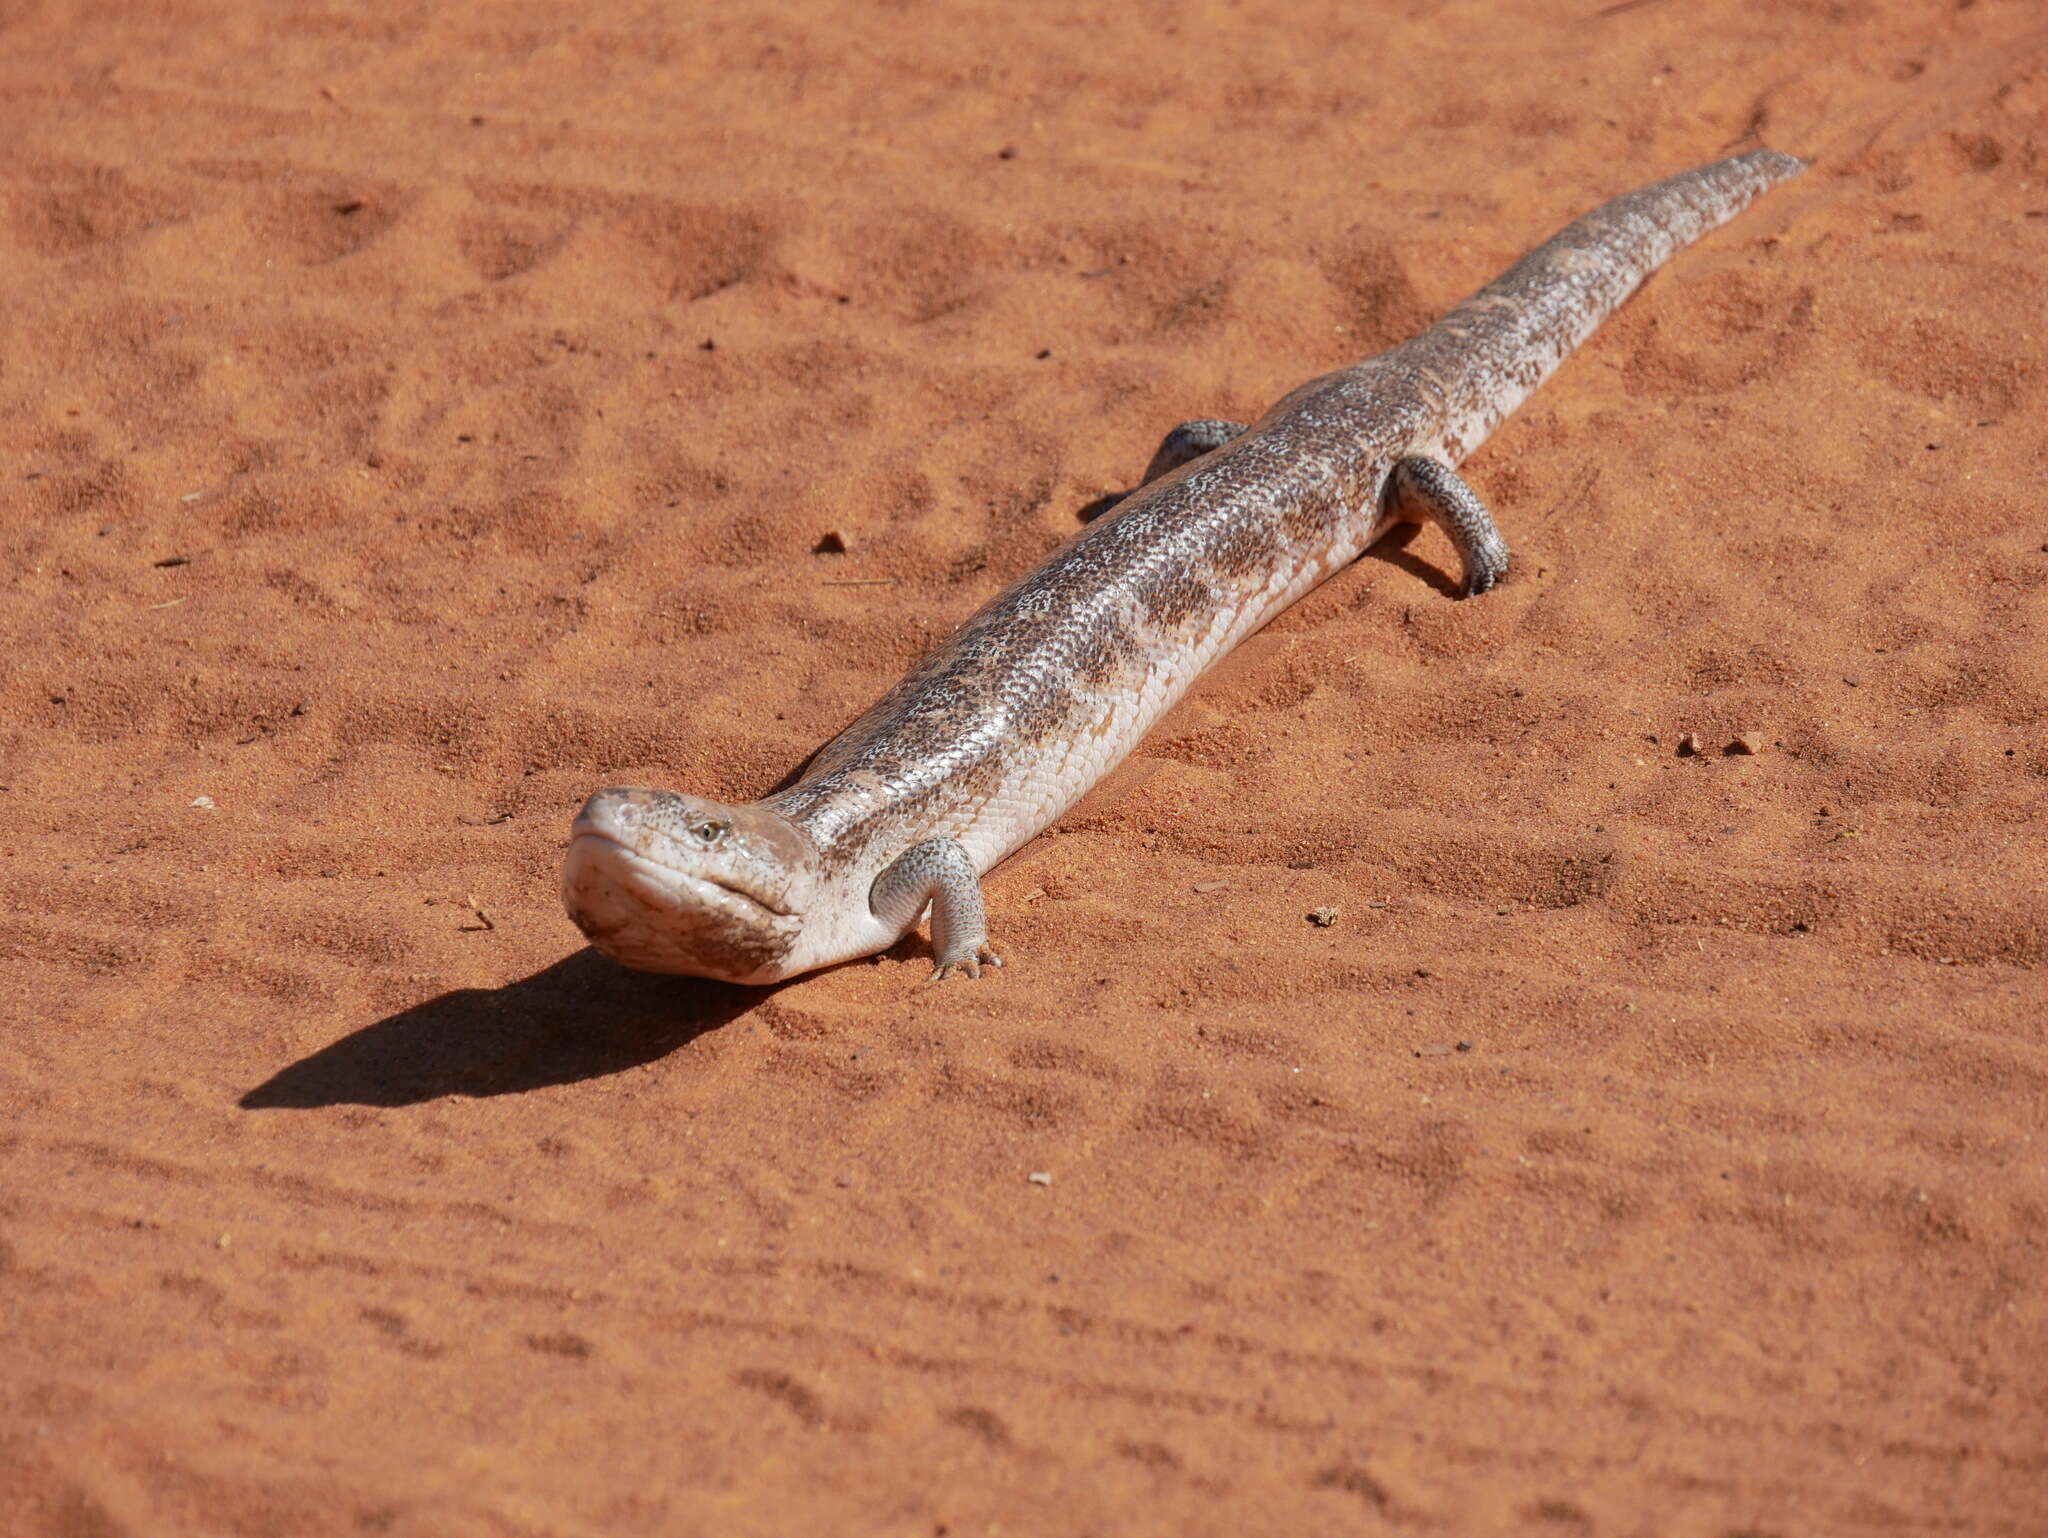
(937, 872)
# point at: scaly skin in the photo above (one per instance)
(1053, 682)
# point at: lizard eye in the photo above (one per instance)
(709, 832)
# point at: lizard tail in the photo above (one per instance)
(1491, 352)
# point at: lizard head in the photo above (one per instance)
(670, 883)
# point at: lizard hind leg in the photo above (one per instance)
(937, 872)
(1189, 442)
(1430, 491)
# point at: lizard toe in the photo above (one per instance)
(970, 962)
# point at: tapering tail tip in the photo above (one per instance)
(1773, 166)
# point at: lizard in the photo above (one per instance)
(1053, 681)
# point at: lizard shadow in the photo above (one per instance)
(581, 1018)
(1391, 548)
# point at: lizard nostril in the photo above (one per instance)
(612, 811)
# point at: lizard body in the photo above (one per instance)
(1054, 680)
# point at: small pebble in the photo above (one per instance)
(1748, 742)
(1323, 918)
(204, 803)
(1691, 745)
(1212, 886)
(1040, 1178)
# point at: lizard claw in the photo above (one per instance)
(968, 962)
(1485, 564)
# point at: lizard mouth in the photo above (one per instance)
(662, 885)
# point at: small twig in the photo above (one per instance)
(171, 605)
(483, 919)
(1582, 487)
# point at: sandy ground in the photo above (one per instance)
(409, 425)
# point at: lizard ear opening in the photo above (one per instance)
(769, 834)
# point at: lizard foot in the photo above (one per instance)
(1486, 562)
(969, 960)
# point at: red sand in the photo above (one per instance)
(412, 424)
